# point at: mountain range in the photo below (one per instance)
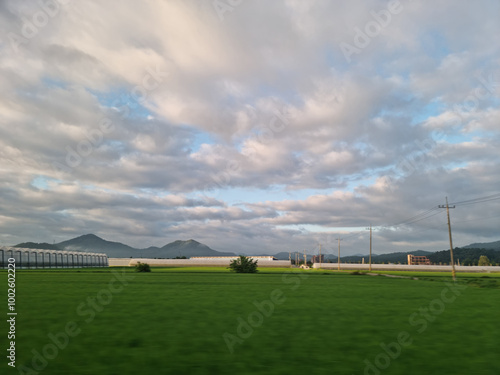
(94, 244)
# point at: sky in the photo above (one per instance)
(251, 126)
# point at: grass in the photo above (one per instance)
(173, 321)
(460, 275)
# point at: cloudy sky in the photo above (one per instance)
(251, 126)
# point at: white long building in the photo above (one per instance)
(405, 267)
(41, 258)
(262, 261)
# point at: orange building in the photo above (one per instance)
(415, 260)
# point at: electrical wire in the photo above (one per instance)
(424, 215)
(415, 218)
(429, 213)
(423, 218)
(467, 221)
(477, 200)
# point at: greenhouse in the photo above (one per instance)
(38, 258)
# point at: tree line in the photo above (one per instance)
(466, 256)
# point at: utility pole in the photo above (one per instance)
(305, 259)
(320, 256)
(370, 258)
(451, 241)
(338, 257)
(290, 258)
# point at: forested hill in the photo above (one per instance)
(466, 256)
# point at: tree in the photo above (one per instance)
(484, 261)
(142, 267)
(243, 264)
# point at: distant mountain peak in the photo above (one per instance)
(90, 236)
(186, 241)
(183, 244)
(92, 243)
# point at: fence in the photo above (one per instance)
(38, 258)
(193, 262)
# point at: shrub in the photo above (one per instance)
(358, 273)
(243, 264)
(484, 261)
(142, 267)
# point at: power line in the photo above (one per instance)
(427, 213)
(411, 220)
(482, 201)
(426, 217)
(436, 227)
(484, 218)
(433, 211)
(354, 234)
(417, 217)
(477, 200)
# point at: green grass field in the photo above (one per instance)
(177, 321)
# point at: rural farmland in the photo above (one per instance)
(278, 321)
